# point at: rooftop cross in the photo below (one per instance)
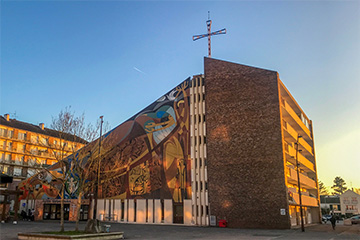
(209, 34)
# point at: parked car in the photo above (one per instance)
(326, 218)
(355, 219)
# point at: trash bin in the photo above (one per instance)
(222, 223)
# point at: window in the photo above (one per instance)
(11, 134)
(45, 141)
(203, 97)
(19, 159)
(204, 117)
(21, 147)
(3, 132)
(31, 161)
(9, 145)
(204, 140)
(21, 136)
(5, 169)
(199, 98)
(17, 171)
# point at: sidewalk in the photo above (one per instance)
(8, 231)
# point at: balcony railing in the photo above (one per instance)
(292, 136)
(291, 116)
(304, 162)
(305, 200)
(305, 181)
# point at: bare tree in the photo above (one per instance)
(69, 128)
(79, 163)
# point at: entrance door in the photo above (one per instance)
(178, 212)
(84, 212)
(52, 211)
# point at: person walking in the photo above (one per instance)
(333, 221)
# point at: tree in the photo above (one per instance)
(85, 162)
(357, 190)
(73, 174)
(323, 189)
(339, 186)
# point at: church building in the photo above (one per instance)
(222, 146)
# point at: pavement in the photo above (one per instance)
(9, 231)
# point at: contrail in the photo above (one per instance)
(136, 69)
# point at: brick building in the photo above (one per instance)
(219, 146)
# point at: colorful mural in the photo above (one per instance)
(147, 156)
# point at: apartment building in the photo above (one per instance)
(222, 145)
(26, 148)
(350, 203)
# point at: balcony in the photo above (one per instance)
(305, 164)
(305, 181)
(290, 116)
(291, 135)
(306, 200)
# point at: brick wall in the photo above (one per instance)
(244, 149)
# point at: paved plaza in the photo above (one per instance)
(8, 231)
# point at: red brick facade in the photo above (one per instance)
(246, 179)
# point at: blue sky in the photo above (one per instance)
(113, 58)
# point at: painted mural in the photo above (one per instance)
(147, 156)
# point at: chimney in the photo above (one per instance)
(42, 126)
(7, 117)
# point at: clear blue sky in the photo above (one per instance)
(113, 58)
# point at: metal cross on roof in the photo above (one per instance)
(209, 34)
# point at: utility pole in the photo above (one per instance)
(209, 34)
(298, 178)
(98, 170)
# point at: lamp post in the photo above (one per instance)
(98, 171)
(298, 178)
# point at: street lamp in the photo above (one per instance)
(298, 178)
(98, 170)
